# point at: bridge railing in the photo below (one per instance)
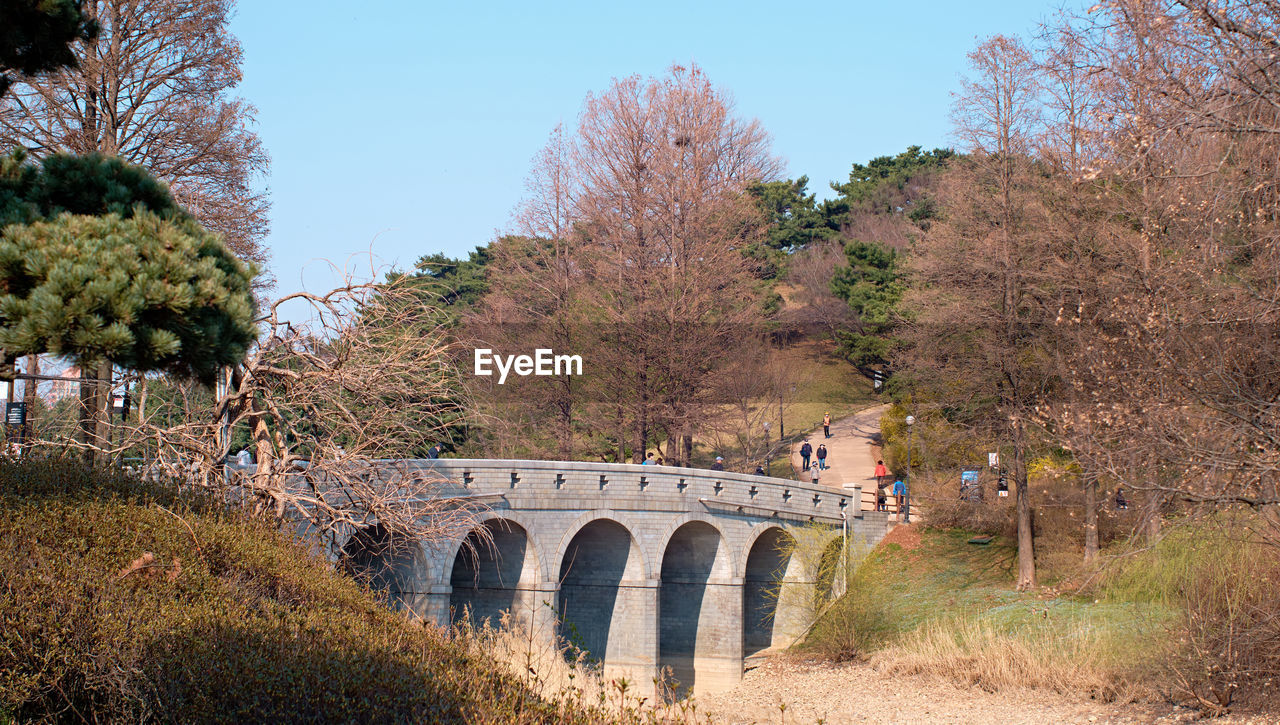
(580, 484)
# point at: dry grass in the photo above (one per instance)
(977, 654)
(557, 672)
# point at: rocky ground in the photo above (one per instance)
(795, 692)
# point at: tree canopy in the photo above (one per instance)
(145, 293)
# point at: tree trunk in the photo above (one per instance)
(687, 459)
(88, 409)
(566, 431)
(1090, 519)
(1152, 520)
(642, 437)
(29, 390)
(1026, 547)
(102, 416)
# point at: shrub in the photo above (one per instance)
(860, 620)
(1224, 580)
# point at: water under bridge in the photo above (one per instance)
(647, 568)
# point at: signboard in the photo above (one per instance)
(993, 460)
(1002, 489)
(970, 489)
(15, 415)
(878, 378)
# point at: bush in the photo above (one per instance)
(1224, 580)
(226, 620)
(860, 620)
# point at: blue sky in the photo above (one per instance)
(406, 128)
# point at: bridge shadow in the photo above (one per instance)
(683, 627)
(384, 562)
(488, 570)
(591, 573)
(768, 563)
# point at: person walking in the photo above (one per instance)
(813, 474)
(822, 456)
(760, 470)
(806, 450)
(718, 465)
(648, 461)
(881, 474)
(826, 425)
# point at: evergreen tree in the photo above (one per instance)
(100, 265)
(872, 285)
(144, 293)
(889, 185)
(36, 36)
(795, 221)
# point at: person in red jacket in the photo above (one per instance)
(881, 474)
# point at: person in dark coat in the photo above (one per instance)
(822, 456)
(806, 450)
(718, 465)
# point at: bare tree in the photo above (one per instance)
(665, 165)
(153, 88)
(1070, 147)
(1179, 366)
(632, 253)
(978, 274)
(332, 402)
(533, 300)
(809, 273)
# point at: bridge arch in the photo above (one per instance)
(507, 517)
(496, 567)
(627, 522)
(387, 563)
(680, 521)
(698, 642)
(605, 601)
(773, 590)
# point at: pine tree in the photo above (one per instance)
(98, 264)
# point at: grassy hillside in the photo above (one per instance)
(226, 620)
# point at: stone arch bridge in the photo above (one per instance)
(644, 567)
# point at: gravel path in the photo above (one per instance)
(855, 693)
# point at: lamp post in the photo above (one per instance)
(782, 434)
(906, 483)
(768, 453)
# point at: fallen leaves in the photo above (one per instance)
(146, 564)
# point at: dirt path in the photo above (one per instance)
(856, 693)
(851, 451)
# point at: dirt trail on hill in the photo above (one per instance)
(851, 452)
(856, 693)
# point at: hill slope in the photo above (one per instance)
(124, 601)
